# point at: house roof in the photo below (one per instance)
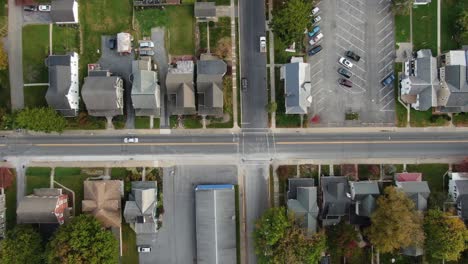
(305, 207)
(179, 83)
(297, 87)
(145, 89)
(39, 208)
(412, 251)
(215, 224)
(365, 195)
(408, 176)
(124, 42)
(418, 192)
(210, 86)
(103, 94)
(294, 183)
(335, 191)
(457, 82)
(462, 188)
(205, 9)
(62, 11)
(102, 200)
(140, 209)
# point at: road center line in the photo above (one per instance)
(138, 144)
(370, 142)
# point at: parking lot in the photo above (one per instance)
(366, 28)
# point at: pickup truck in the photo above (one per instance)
(263, 44)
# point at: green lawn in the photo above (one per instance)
(423, 119)
(425, 27)
(118, 173)
(402, 28)
(450, 12)
(219, 30)
(227, 106)
(432, 173)
(192, 122)
(73, 179)
(460, 119)
(143, 122)
(34, 96)
(119, 122)
(129, 247)
(65, 39)
(34, 68)
(149, 18)
(37, 177)
(282, 119)
(10, 194)
(284, 172)
(282, 56)
(401, 112)
(5, 89)
(86, 122)
(202, 29)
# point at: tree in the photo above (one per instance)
(395, 223)
(3, 57)
(22, 244)
(271, 107)
(83, 240)
(342, 239)
(224, 48)
(402, 7)
(290, 20)
(43, 119)
(446, 235)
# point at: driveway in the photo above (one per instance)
(36, 17)
(175, 242)
(160, 57)
(366, 28)
(15, 54)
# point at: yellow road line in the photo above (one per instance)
(370, 142)
(136, 144)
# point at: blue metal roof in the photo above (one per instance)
(214, 187)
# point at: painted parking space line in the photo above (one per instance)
(362, 51)
(387, 104)
(390, 33)
(386, 26)
(360, 30)
(315, 74)
(352, 36)
(385, 17)
(316, 83)
(360, 11)
(390, 43)
(385, 8)
(383, 68)
(343, 12)
(386, 55)
(383, 98)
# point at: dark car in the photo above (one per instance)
(352, 55)
(146, 52)
(112, 43)
(315, 50)
(388, 80)
(30, 8)
(345, 82)
(344, 72)
(244, 84)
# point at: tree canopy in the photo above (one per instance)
(395, 222)
(342, 239)
(83, 240)
(22, 244)
(291, 19)
(462, 25)
(402, 7)
(43, 119)
(446, 235)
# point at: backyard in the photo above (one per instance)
(37, 177)
(402, 28)
(34, 68)
(425, 27)
(450, 12)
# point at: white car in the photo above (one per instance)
(315, 11)
(316, 19)
(262, 44)
(345, 63)
(131, 140)
(144, 249)
(44, 8)
(316, 39)
(146, 44)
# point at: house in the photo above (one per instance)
(297, 87)
(103, 94)
(210, 72)
(205, 11)
(44, 206)
(453, 92)
(335, 199)
(408, 177)
(180, 91)
(458, 191)
(215, 217)
(364, 195)
(418, 192)
(64, 11)
(63, 92)
(124, 43)
(302, 201)
(146, 96)
(140, 209)
(422, 2)
(102, 200)
(420, 83)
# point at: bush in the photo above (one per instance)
(43, 119)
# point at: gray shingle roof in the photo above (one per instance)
(297, 87)
(140, 209)
(305, 207)
(145, 91)
(294, 183)
(210, 86)
(418, 192)
(456, 78)
(39, 207)
(215, 225)
(62, 11)
(179, 84)
(365, 195)
(205, 9)
(103, 96)
(335, 204)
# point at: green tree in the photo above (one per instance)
(462, 26)
(290, 20)
(83, 240)
(43, 119)
(22, 244)
(395, 222)
(446, 235)
(298, 247)
(271, 107)
(341, 239)
(402, 7)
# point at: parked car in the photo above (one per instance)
(352, 55)
(112, 43)
(144, 249)
(315, 11)
(263, 44)
(315, 50)
(345, 82)
(146, 44)
(44, 8)
(345, 73)
(316, 39)
(388, 80)
(314, 31)
(131, 140)
(345, 63)
(146, 52)
(30, 8)
(316, 19)
(244, 84)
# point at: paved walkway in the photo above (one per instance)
(234, 63)
(271, 47)
(160, 57)
(15, 54)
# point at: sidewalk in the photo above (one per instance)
(271, 47)
(234, 65)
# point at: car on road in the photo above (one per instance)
(316, 39)
(345, 63)
(111, 43)
(30, 8)
(44, 8)
(345, 82)
(144, 249)
(388, 80)
(316, 19)
(146, 52)
(314, 31)
(262, 44)
(315, 11)
(345, 73)
(244, 84)
(352, 55)
(146, 44)
(131, 140)
(315, 50)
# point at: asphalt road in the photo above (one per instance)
(253, 63)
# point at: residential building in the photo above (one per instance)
(63, 92)
(180, 91)
(103, 94)
(302, 201)
(102, 200)
(146, 96)
(335, 199)
(215, 216)
(210, 72)
(297, 87)
(64, 11)
(140, 209)
(124, 43)
(458, 191)
(364, 195)
(408, 177)
(44, 206)
(420, 83)
(2, 213)
(205, 11)
(453, 92)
